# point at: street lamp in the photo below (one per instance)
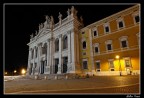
(15, 71)
(23, 71)
(118, 57)
(5, 73)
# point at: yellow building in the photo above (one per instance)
(111, 46)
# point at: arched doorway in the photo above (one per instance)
(42, 67)
(65, 61)
(56, 65)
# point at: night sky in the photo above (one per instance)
(23, 20)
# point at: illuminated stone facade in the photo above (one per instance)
(118, 34)
(68, 47)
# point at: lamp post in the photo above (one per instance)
(15, 72)
(23, 71)
(118, 57)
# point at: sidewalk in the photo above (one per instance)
(98, 82)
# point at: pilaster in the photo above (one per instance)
(60, 56)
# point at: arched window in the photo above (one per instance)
(32, 53)
(44, 49)
(36, 52)
(65, 42)
(124, 42)
(56, 45)
(84, 44)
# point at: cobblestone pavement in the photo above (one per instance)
(92, 85)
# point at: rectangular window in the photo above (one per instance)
(106, 29)
(127, 63)
(83, 32)
(96, 50)
(137, 18)
(95, 33)
(97, 65)
(120, 24)
(111, 65)
(109, 47)
(124, 44)
(85, 65)
(84, 53)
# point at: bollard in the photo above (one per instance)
(45, 77)
(66, 77)
(36, 77)
(56, 77)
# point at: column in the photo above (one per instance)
(69, 52)
(49, 62)
(91, 52)
(60, 57)
(52, 54)
(48, 57)
(72, 52)
(29, 58)
(33, 61)
(39, 63)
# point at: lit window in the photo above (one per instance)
(98, 66)
(127, 62)
(111, 65)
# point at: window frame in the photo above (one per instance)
(93, 30)
(109, 42)
(124, 38)
(96, 45)
(107, 24)
(120, 20)
(66, 45)
(127, 58)
(97, 69)
(110, 68)
(84, 60)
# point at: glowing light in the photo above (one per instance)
(117, 57)
(15, 71)
(5, 73)
(23, 71)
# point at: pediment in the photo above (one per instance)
(43, 32)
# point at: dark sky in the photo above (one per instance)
(22, 20)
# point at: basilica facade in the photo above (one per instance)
(110, 46)
(55, 49)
